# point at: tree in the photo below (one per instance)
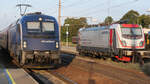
(131, 16)
(144, 20)
(74, 26)
(108, 20)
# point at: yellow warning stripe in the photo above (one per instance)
(13, 82)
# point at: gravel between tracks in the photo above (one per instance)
(85, 71)
(48, 78)
(82, 76)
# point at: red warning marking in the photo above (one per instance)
(123, 58)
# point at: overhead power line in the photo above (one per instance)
(91, 8)
(75, 4)
(23, 5)
(114, 6)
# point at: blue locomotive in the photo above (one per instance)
(33, 40)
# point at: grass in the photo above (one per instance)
(130, 66)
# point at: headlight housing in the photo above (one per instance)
(124, 43)
(141, 43)
(24, 44)
(57, 45)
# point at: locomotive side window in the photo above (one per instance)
(33, 26)
(47, 26)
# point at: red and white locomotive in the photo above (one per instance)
(116, 40)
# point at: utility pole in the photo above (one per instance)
(59, 20)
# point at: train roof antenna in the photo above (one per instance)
(23, 5)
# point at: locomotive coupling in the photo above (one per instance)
(55, 55)
(51, 54)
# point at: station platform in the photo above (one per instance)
(15, 76)
(10, 73)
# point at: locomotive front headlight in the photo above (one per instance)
(35, 52)
(141, 43)
(24, 44)
(47, 52)
(40, 19)
(124, 43)
(57, 45)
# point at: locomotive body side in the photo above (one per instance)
(94, 38)
(3, 39)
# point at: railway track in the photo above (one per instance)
(80, 70)
(47, 76)
(51, 77)
(114, 73)
(29, 71)
(42, 76)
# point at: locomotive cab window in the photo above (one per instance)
(33, 26)
(131, 32)
(47, 26)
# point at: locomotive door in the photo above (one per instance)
(11, 40)
(115, 50)
(18, 48)
(113, 40)
(8, 40)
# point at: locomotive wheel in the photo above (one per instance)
(57, 61)
(18, 58)
(81, 53)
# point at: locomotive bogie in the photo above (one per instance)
(41, 57)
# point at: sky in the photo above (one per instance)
(97, 9)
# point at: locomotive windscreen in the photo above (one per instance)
(33, 26)
(40, 26)
(131, 32)
(47, 26)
